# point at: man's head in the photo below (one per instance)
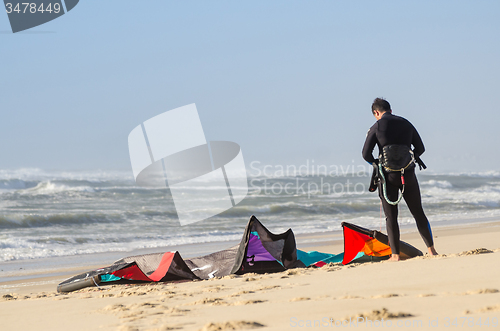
(379, 107)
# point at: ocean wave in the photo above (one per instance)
(16, 184)
(298, 209)
(476, 174)
(36, 174)
(33, 248)
(437, 183)
(483, 196)
(52, 187)
(484, 174)
(56, 244)
(63, 213)
(63, 219)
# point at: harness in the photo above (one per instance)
(395, 158)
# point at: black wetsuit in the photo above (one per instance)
(395, 130)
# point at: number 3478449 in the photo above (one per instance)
(32, 8)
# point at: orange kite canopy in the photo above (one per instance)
(372, 244)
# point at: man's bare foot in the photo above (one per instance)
(394, 258)
(432, 251)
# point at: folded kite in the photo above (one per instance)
(259, 251)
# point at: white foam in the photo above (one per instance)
(51, 187)
(437, 183)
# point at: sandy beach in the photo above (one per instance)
(161, 160)
(458, 289)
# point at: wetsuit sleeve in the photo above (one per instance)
(417, 143)
(370, 142)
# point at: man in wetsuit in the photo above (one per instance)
(394, 130)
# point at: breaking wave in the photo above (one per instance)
(44, 213)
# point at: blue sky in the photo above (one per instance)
(289, 81)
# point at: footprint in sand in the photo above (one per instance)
(129, 293)
(487, 309)
(335, 268)
(270, 287)
(147, 305)
(134, 316)
(107, 295)
(252, 274)
(425, 295)
(209, 301)
(232, 325)
(178, 312)
(135, 309)
(482, 291)
(354, 265)
(127, 328)
(61, 298)
(9, 297)
(237, 294)
(378, 315)
(247, 302)
(217, 288)
(231, 276)
(295, 272)
(170, 327)
(475, 252)
(116, 308)
(385, 296)
(300, 299)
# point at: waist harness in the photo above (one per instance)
(395, 158)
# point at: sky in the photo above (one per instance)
(289, 81)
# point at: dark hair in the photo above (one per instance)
(381, 105)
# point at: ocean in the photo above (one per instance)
(46, 214)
